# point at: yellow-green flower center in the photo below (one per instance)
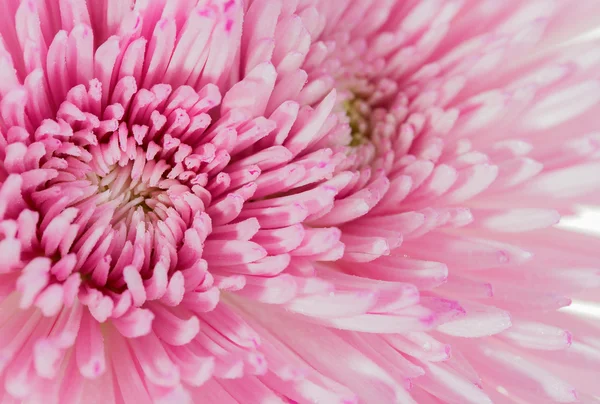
(358, 113)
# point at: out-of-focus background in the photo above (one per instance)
(588, 221)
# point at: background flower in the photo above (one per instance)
(296, 201)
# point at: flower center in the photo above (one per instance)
(358, 112)
(368, 104)
(126, 183)
(128, 193)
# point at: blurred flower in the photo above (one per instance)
(296, 201)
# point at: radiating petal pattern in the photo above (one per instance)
(297, 201)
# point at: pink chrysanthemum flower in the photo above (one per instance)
(296, 201)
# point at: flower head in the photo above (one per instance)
(295, 201)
